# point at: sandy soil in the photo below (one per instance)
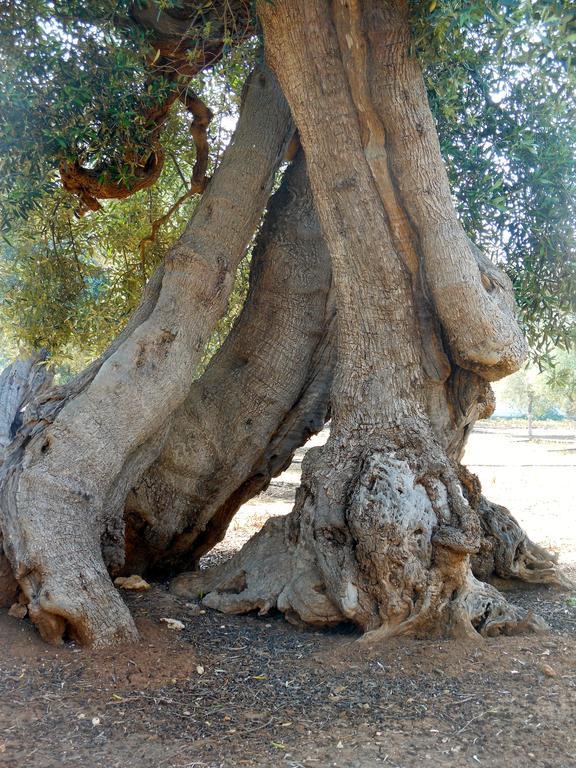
(254, 691)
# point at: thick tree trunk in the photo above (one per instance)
(263, 394)
(66, 476)
(266, 391)
(385, 521)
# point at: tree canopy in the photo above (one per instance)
(94, 84)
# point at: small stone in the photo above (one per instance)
(200, 669)
(548, 670)
(18, 611)
(173, 624)
(194, 609)
(134, 582)
(95, 721)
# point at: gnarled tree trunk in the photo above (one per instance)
(65, 478)
(386, 521)
(135, 467)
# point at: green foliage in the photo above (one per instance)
(69, 284)
(501, 83)
(74, 85)
(77, 82)
(562, 381)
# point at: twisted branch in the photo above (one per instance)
(180, 51)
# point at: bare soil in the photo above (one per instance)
(255, 691)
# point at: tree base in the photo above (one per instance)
(77, 602)
(375, 538)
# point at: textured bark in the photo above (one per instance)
(474, 302)
(263, 394)
(385, 521)
(19, 383)
(66, 476)
(133, 468)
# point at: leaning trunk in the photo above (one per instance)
(66, 476)
(385, 522)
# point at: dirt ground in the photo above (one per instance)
(254, 691)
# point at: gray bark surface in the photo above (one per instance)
(263, 394)
(20, 382)
(134, 467)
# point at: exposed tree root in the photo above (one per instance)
(480, 608)
(267, 573)
(508, 553)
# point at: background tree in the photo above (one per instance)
(387, 523)
(553, 391)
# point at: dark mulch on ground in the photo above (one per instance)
(254, 691)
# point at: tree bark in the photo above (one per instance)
(385, 521)
(19, 383)
(267, 391)
(66, 476)
(263, 394)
